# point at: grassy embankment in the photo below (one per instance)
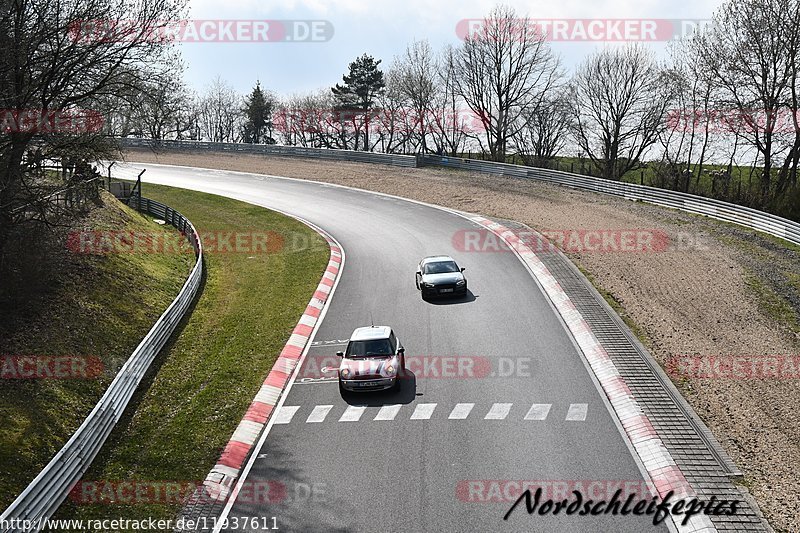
(92, 308)
(200, 388)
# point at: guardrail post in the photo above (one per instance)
(109, 174)
(138, 188)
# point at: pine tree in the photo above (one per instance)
(362, 85)
(258, 112)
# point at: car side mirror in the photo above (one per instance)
(339, 354)
(401, 351)
(463, 269)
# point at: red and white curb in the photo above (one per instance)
(664, 473)
(220, 481)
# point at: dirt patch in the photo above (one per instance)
(714, 290)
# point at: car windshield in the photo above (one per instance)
(369, 348)
(440, 267)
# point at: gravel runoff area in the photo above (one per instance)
(717, 291)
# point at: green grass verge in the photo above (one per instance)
(772, 304)
(201, 386)
(70, 304)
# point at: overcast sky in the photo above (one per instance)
(383, 28)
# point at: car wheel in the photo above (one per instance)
(342, 391)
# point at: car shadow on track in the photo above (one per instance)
(452, 300)
(406, 394)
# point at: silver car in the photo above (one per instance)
(374, 360)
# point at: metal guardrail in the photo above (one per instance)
(50, 488)
(273, 149)
(737, 214)
(728, 212)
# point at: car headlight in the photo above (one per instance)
(428, 285)
(390, 371)
(345, 373)
(461, 282)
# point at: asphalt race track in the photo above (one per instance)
(516, 401)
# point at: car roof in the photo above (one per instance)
(436, 259)
(370, 333)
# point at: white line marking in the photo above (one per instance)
(538, 411)
(285, 414)
(318, 414)
(423, 411)
(499, 411)
(461, 411)
(577, 412)
(353, 413)
(388, 412)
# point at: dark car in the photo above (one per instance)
(440, 275)
(374, 360)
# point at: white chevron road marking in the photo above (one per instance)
(538, 411)
(577, 412)
(423, 411)
(499, 411)
(388, 412)
(353, 413)
(285, 414)
(461, 411)
(318, 414)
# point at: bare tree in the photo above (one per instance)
(50, 62)
(312, 120)
(417, 82)
(221, 114)
(395, 125)
(161, 110)
(618, 100)
(505, 67)
(687, 139)
(752, 51)
(450, 124)
(543, 131)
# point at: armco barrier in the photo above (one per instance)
(745, 216)
(49, 489)
(273, 149)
